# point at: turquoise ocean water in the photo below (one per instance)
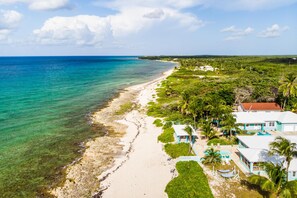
(45, 103)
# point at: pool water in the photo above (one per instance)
(263, 134)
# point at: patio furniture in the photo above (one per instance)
(224, 171)
(229, 175)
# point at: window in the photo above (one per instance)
(294, 173)
(271, 124)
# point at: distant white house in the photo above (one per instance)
(267, 121)
(253, 150)
(206, 68)
(181, 135)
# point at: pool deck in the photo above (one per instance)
(201, 145)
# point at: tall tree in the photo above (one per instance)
(207, 130)
(275, 183)
(196, 109)
(285, 148)
(219, 110)
(211, 157)
(189, 131)
(288, 87)
(229, 124)
(185, 102)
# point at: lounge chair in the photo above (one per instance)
(229, 175)
(224, 171)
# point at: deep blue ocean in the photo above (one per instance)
(45, 103)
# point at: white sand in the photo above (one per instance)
(146, 171)
(127, 161)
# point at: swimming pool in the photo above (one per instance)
(263, 133)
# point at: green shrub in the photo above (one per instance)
(177, 150)
(222, 141)
(124, 108)
(190, 183)
(167, 125)
(158, 123)
(167, 135)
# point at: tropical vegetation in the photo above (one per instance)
(284, 147)
(288, 87)
(189, 131)
(167, 135)
(207, 130)
(212, 156)
(191, 182)
(192, 96)
(158, 123)
(275, 183)
(177, 150)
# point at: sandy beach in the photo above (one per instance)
(126, 162)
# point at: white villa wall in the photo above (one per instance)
(289, 127)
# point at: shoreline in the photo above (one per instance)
(105, 155)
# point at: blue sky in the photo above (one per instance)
(147, 27)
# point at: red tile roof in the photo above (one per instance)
(261, 106)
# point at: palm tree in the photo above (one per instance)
(207, 130)
(229, 124)
(294, 109)
(185, 102)
(196, 109)
(211, 157)
(275, 183)
(189, 131)
(289, 87)
(285, 148)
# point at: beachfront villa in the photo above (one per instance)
(259, 107)
(181, 135)
(267, 121)
(253, 150)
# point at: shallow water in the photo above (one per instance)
(44, 108)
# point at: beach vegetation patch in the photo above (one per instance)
(177, 150)
(167, 135)
(158, 123)
(167, 125)
(125, 108)
(191, 182)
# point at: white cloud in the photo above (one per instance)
(9, 20)
(274, 31)
(155, 14)
(236, 33)
(80, 30)
(95, 30)
(49, 5)
(229, 29)
(41, 4)
(218, 4)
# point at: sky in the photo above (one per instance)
(147, 27)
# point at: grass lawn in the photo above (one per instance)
(167, 135)
(222, 141)
(177, 150)
(190, 183)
